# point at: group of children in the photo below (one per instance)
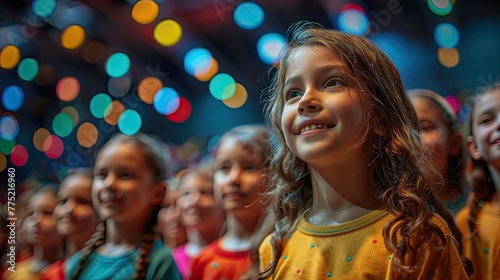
(357, 182)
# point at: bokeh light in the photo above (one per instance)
(117, 65)
(238, 99)
(93, 51)
(167, 32)
(204, 73)
(145, 11)
(98, 105)
(118, 87)
(12, 98)
(182, 113)
(113, 112)
(197, 58)
(43, 8)
(72, 37)
(129, 122)
(46, 75)
(62, 124)
(68, 88)
(19, 155)
(166, 101)
(87, 135)
(222, 86)
(73, 113)
(39, 138)
(9, 56)
(9, 128)
(248, 15)
(148, 88)
(28, 69)
(6, 146)
(53, 146)
(449, 58)
(440, 7)
(446, 35)
(352, 19)
(454, 103)
(269, 47)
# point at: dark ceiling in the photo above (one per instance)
(407, 36)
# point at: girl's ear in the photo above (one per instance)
(158, 192)
(473, 150)
(455, 144)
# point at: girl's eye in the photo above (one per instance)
(100, 175)
(332, 83)
(125, 176)
(485, 120)
(224, 168)
(250, 168)
(292, 94)
(62, 201)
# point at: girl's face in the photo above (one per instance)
(486, 129)
(124, 187)
(322, 119)
(238, 178)
(39, 224)
(197, 203)
(436, 133)
(74, 213)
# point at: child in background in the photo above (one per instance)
(76, 219)
(169, 226)
(202, 217)
(440, 130)
(127, 190)
(353, 195)
(240, 179)
(40, 231)
(480, 220)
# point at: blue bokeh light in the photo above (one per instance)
(248, 15)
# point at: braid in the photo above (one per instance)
(146, 245)
(95, 241)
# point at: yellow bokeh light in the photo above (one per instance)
(145, 11)
(113, 112)
(87, 135)
(167, 32)
(39, 137)
(448, 57)
(148, 88)
(72, 37)
(205, 74)
(238, 99)
(9, 56)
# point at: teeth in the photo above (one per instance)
(314, 126)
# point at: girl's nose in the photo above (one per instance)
(234, 175)
(309, 102)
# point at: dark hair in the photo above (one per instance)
(153, 155)
(402, 173)
(477, 171)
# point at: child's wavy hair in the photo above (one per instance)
(455, 166)
(402, 174)
(477, 171)
(152, 150)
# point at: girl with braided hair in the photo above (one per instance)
(479, 221)
(353, 190)
(127, 190)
